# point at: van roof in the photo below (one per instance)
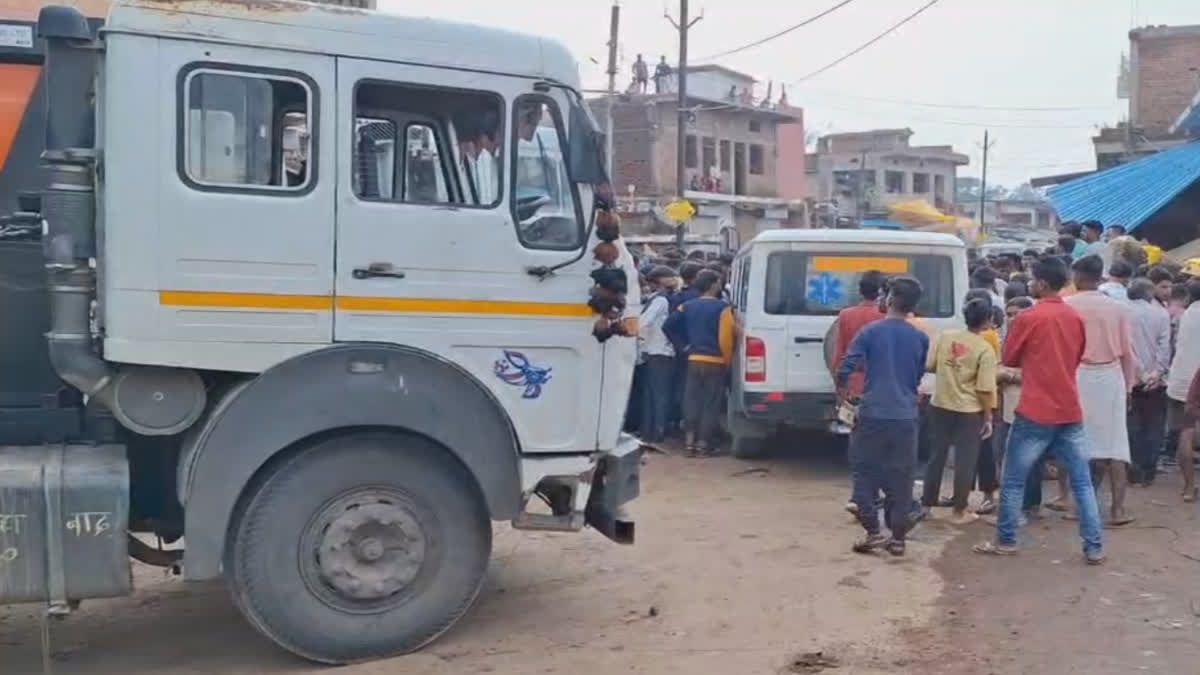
(351, 32)
(857, 237)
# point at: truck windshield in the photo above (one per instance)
(822, 284)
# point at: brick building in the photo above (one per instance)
(1163, 77)
(743, 158)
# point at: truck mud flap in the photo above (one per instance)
(617, 481)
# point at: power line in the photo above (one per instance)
(870, 42)
(963, 106)
(780, 34)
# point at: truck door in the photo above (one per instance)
(451, 186)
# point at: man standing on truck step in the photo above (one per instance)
(705, 327)
(850, 321)
(883, 447)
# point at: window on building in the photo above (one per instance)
(726, 156)
(843, 182)
(939, 185)
(757, 163)
(448, 152)
(691, 157)
(544, 200)
(893, 182)
(1043, 220)
(920, 183)
(247, 130)
(708, 153)
(755, 126)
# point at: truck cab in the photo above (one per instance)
(323, 300)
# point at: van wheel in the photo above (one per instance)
(748, 447)
(361, 546)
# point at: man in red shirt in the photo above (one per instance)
(852, 319)
(1047, 344)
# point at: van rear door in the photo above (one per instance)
(811, 283)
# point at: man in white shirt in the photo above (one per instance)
(1179, 379)
(658, 355)
(1150, 327)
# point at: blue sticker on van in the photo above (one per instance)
(825, 289)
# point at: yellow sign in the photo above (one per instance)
(842, 263)
(680, 211)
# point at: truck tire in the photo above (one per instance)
(361, 546)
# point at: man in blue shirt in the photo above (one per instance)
(883, 446)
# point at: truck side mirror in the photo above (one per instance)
(585, 152)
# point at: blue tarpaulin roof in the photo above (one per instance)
(883, 224)
(1131, 193)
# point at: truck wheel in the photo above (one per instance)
(361, 546)
(748, 447)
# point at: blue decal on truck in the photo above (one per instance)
(515, 369)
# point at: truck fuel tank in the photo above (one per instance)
(63, 518)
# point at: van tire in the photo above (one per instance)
(361, 546)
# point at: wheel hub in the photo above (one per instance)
(369, 547)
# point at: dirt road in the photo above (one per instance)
(736, 571)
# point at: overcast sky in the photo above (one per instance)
(1013, 54)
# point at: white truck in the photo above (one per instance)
(287, 299)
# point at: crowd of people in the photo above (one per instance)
(1077, 363)
(686, 342)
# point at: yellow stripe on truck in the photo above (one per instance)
(370, 304)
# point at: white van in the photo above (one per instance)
(788, 287)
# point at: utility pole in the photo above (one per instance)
(983, 186)
(683, 26)
(613, 22)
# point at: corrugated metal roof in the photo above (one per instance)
(1189, 119)
(1131, 193)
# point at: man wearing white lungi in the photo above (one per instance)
(1105, 378)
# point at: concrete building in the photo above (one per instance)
(1019, 215)
(1160, 83)
(744, 159)
(865, 171)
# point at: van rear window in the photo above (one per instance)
(821, 284)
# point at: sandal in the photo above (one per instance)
(1189, 496)
(1122, 521)
(987, 506)
(992, 548)
(1056, 505)
(1096, 558)
(895, 547)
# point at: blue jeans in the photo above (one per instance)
(657, 374)
(1028, 441)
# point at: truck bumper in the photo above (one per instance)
(616, 481)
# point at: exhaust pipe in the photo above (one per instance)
(68, 202)
(149, 400)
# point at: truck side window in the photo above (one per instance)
(544, 200)
(374, 158)
(451, 138)
(243, 129)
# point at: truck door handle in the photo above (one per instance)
(807, 340)
(378, 269)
